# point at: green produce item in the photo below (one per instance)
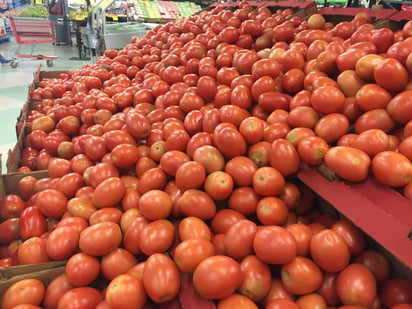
(36, 10)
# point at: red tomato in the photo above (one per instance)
(55, 290)
(51, 203)
(396, 291)
(132, 234)
(329, 250)
(31, 223)
(372, 141)
(62, 242)
(268, 181)
(217, 277)
(32, 251)
(25, 291)
(218, 185)
(236, 301)
(356, 285)
(157, 236)
(193, 228)
(124, 155)
(205, 206)
(244, 200)
(189, 253)
(241, 169)
(352, 235)
(154, 178)
(280, 303)
(301, 276)
(125, 291)
(349, 163)
(312, 149)
(389, 67)
(327, 99)
(271, 210)
(372, 96)
(109, 192)
(190, 175)
(210, 157)
(284, 157)
(274, 238)
(11, 206)
(238, 242)
(161, 279)
(80, 298)
(82, 269)
(376, 262)
(117, 262)
(399, 106)
(100, 238)
(391, 168)
(229, 141)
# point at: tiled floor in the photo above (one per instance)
(14, 83)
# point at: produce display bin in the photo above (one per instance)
(336, 15)
(381, 212)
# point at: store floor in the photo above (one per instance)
(14, 83)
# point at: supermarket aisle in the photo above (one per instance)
(14, 84)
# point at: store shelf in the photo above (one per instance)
(381, 212)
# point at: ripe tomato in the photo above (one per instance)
(236, 301)
(377, 262)
(387, 67)
(327, 99)
(154, 178)
(82, 269)
(190, 175)
(256, 278)
(157, 236)
(117, 262)
(356, 285)
(372, 96)
(55, 290)
(193, 228)
(62, 242)
(31, 223)
(312, 149)
(241, 169)
(353, 236)
(109, 192)
(218, 185)
(132, 235)
(189, 253)
(329, 250)
(100, 238)
(399, 173)
(51, 203)
(125, 291)
(25, 291)
(210, 157)
(155, 204)
(274, 238)
(268, 181)
(301, 276)
(229, 141)
(271, 210)
(284, 157)
(280, 303)
(399, 106)
(205, 206)
(396, 291)
(244, 200)
(238, 241)
(161, 279)
(80, 298)
(349, 163)
(217, 277)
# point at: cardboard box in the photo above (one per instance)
(8, 182)
(395, 21)
(337, 15)
(45, 272)
(300, 8)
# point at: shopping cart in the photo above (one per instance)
(31, 31)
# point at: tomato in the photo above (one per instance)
(229, 141)
(268, 181)
(241, 96)
(236, 301)
(353, 236)
(284, 157)
(349, 163)
(331, 127)
(124, 155)
(154, 178)
(32, 251)
(82, 269)
(25, 291)
(327, 99)
(189, 253)
(51, 203)
(239, 238)
(399, 173)
(301, 276)
(274, 238)
(157, 236)
(256, 278)
(80, 298)
(205, 207)
(372, 96)
(109, 192)
(161, 279)
(31, 223)
(269, 101)
(356, 285)
(55, 290)
(329, 250)
(62, 242)
(125, 291)
(190, 175)
(398, 107)
(328, 289)
(241, 169)
(271, 210)
(217, 277)
(117, 262)
(9, 231)
(396, 291)
(218, 185)
(132, 234)
(81, 207)
(391, 66)
(244, 200)
(376, 262)
(303, 116)
(280, 303)
(312, 149)
(100, 238)
(193, 228)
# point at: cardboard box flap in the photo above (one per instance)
(381, 14)
(10, 181)
(15, 271)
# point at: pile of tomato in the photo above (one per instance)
(171, 167)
